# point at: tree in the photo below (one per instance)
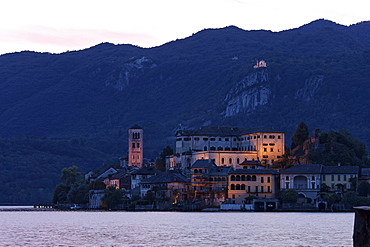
(60, 193)
(300, 135)
(79, 193)
(160, 163)
(364, 189)
(70, 175)
(112, 197)
(289, 196)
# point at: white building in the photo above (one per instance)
(227, 146)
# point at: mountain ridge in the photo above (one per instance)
(92, 96)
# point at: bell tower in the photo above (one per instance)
(135, 146)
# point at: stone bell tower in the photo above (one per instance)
(135, 146)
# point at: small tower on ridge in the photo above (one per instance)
(135, 146)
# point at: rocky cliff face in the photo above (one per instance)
(251, 92)
(123, 73)
(311, 86)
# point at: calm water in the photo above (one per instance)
(37, 228)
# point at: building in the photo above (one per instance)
(226, 146)
(208, 182)
(166, 185)
(135, 146)
(309, 179)
(256, 183)
(340, 178)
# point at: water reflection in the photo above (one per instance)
(175, 229)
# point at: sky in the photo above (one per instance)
(57, 26)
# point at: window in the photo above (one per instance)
(205, 148)
(262, 180)
(258, 136)
(226, 139)
(249, 178)
(237, 178)
(133, 145)
(237, 187)
(230, 160)
(213, 139)
(338, 177)
(312, 185)
(205, 139)
(242, 178)
(237, 160)
(313, 178)
(137, 145)
(332, 177)
(222, 160)
(242, 187)
(213, 148)
(220, 139)
(323, 177)
(232, 178)
(268, 179)
(220, 148)
(268, 189)
(187, 139)
(286, 185)
(272, 144)
(249, 189)
(265, 136)
(344, 177)
(196, 138)
(261, 188)
(278, 137)
(195, 170)
(264, 149)
(256, 189)
(287, 178)
(179, 139)
(232, 187)
(265, 156)
(271, 150)
(254, 178)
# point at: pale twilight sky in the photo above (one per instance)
(57, 26)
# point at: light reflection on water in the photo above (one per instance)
(56, 228)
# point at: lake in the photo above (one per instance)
(80, 228)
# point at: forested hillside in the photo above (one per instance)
(83, 102)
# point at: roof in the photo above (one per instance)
(365, 171)
(254, 171)
(224, 131)
(136, 127)
(340, 169)
(203, 163)
(101, 170)
(304, 169)
(220, 170)
(166, 177)
(251, 162)
(146, 171)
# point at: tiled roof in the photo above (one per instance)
(340, 169)
(254, 171)
(166, 177)
(146, 171)
(365, 171)
(309, 168)
(225, 131)
(203, 163)
(136, 127)
(220, 171)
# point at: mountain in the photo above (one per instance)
(318, 73)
